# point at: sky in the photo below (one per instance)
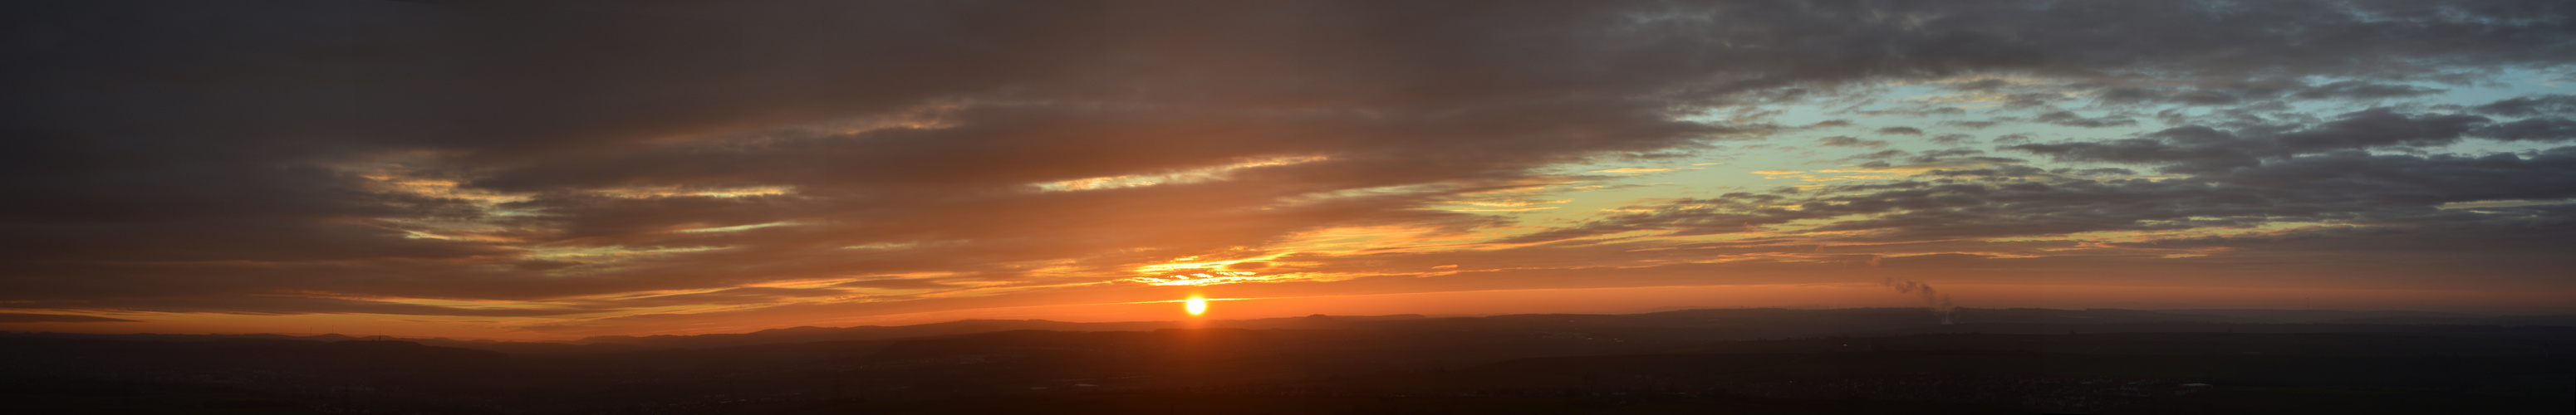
(554, 171)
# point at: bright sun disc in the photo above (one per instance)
(1196, 305)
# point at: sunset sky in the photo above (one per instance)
(504, 170)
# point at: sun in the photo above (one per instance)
(1196, 305)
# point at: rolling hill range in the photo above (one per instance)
(1682, 361)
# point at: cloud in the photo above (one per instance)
(1848, 141)
(2011, 200)
(1973, 125)
(2259, 90)
(288, 305)
(2198, 149)
(58, 318)
(2530, 106)
(1636, 170)
(2070, 119)
(551, 160)
(2360, 90)
(1882, 154)
(898, 284)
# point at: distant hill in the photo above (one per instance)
(1705, 324)
(513, 347)
(817, 334)
(1699, 361)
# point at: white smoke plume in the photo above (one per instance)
(1940, 304)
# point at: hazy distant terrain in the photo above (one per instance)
(1686, 361)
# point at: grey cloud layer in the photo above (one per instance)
(181, 153)
(2398, 203)
(2201, 149)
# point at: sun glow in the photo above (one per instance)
(1196, 305)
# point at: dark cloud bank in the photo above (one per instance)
(287, 157)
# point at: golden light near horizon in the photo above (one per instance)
(1116, 172)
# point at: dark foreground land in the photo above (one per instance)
(1748, 361)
